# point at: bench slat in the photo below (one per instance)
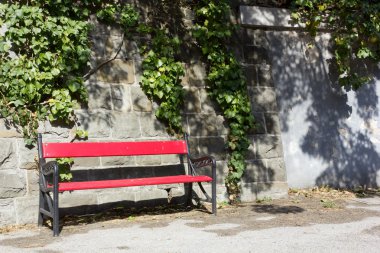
(72, 186)
(95, 149)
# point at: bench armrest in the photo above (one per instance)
(49, 168)
(196, 163)
(202, 161)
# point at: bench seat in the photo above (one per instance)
(87, 185)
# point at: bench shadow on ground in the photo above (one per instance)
(131, 208)
(127, 210)
(276, 209)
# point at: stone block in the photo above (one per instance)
(151, 194)
(214, 146)
(78, 198)
(117, 71)
(86, 162)
(169, 170)
(12, 184)
(7, 130)
(177, 191)
(121, 98)
(27, 156)
(108, 196)
(255, 37)
(32, 179)
(96, 122)
(112, 44)
(138, 172)
(250, 72)
(268, 146)
(98, 45)
(26, 210)
(197, 74)
(265, 76)
(263, 99)
(129, 50)
(251, 153)
(103, 29)
(118, 161)
(99, 174)
(8, 157)
(220, 192)
(138, 70)
(253, 191)
(206, 125)
(140, 101)
(272, 122)
(125, 125)
(208, 105)
(151, 126)
(259, 127)
(256, 55)
(56, 130)
(276, 170)
(7, 212)
(192, 102)
(148, 160)
(256, 16)
(275, 190)
(169, 187)
(193, 146)
(99, 96)
(256, 171)
(171, 159)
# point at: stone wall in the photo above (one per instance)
(118, 110)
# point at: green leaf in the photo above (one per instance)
(55, 72)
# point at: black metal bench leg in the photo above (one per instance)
(56, 201)
(55, 215)
(189, 195)
(213, 186)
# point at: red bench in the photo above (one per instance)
(49, 175)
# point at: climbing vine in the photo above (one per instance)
(44, 48)
(41, 57)
(355, 29)
(226, 83)
(161, 77)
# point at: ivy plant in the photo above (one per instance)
(355, 31)
(44, 48)
(226, 83)
(42, 57)
(161, 78)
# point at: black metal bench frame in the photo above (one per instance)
(50, 186)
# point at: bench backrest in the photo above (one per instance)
(95, 149)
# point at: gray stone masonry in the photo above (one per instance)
(330, 134)
(118, 110)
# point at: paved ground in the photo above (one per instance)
(298, 224)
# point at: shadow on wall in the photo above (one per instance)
(339, 127)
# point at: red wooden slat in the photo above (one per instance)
(94, 149)
(72, 186)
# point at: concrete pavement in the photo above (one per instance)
(205, 233)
